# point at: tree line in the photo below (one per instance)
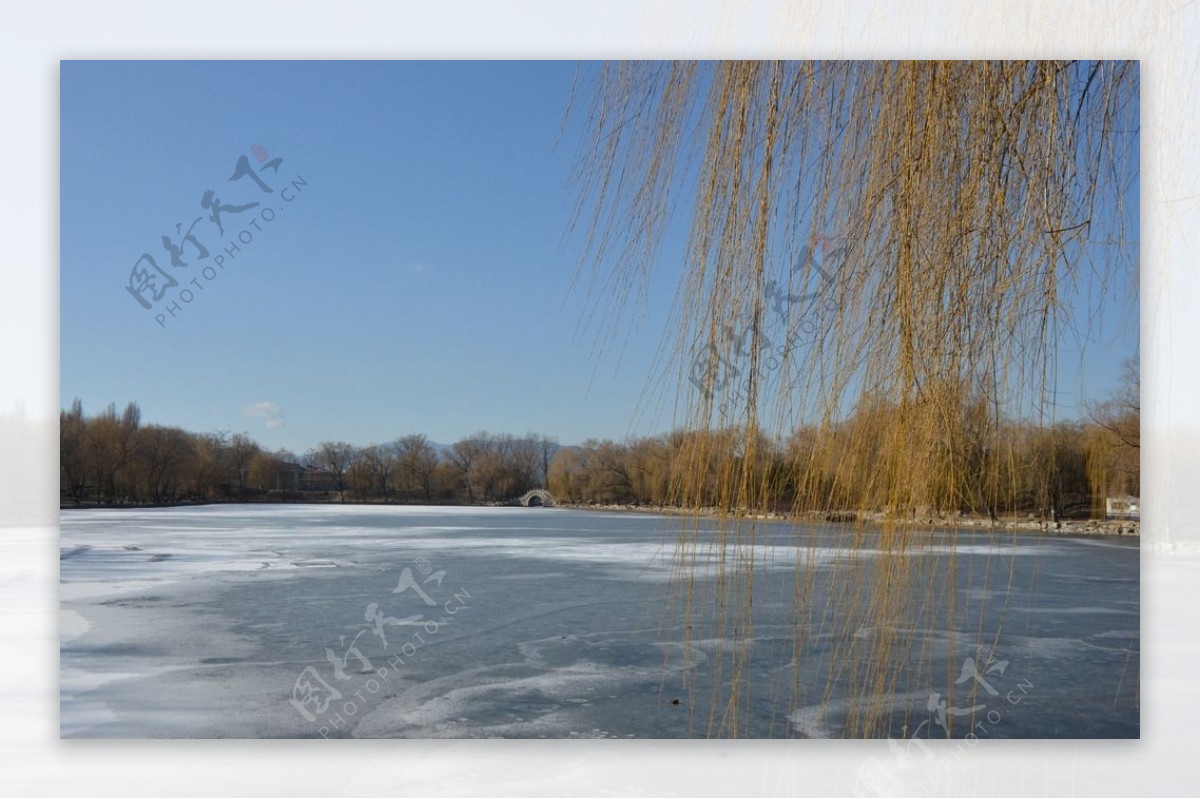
(974, 464)
(113, 459)
(1061, 470)
(970, 460)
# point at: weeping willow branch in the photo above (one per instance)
(899, 239)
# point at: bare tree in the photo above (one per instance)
(521, 466)
(466, 456)
(547, 448)
(72, 439)
(1121, 414)
(1114, 444)
(241, 452)
(108, 446)
(360, 477)
(164, 453)
(380, 462)
(418, 460)
(567, 475)
(336, 458)
(208, 467)
(268, 471)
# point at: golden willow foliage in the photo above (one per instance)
(1065, 470)
(899, 236)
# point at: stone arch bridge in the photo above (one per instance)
(537, 498)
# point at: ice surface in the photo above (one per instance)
(205, 621)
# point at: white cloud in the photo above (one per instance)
(265, 410)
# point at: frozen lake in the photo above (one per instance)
(373, 621)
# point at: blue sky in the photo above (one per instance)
(419, 279)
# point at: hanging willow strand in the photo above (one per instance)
(894, 243)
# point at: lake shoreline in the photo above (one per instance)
(1066, 527)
